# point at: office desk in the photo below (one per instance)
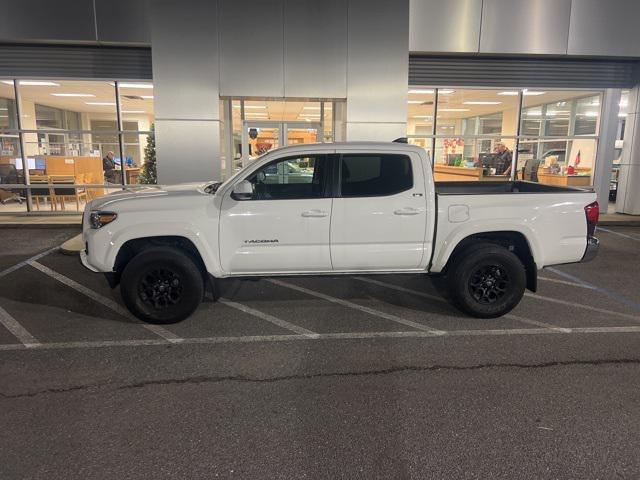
(446, 173)
(564, 180)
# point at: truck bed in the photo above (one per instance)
(489, 188)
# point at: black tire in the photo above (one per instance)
(162, 285)
(486, 281)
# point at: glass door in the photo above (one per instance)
(302, 132)
(259, 137)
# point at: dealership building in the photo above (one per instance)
(210, 85)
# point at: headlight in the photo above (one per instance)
(100, 219)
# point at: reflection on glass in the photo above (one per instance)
(12, 199)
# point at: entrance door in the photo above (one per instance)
(258, 137)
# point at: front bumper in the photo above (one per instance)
(85, 262)
(592, 249)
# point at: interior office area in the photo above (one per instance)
(60, 133)
(549, 136)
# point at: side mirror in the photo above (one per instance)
(243, 190)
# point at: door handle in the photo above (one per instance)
(407, 211)
(314, 214)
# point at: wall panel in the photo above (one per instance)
(600, 27)
(123, 21)
(47, 20)
(451, 26)
(525, 26)
(315, 48)
(251, 48)
(378, 46)
(185, 67)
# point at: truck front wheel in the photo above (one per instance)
(162, 285)
(486, 281)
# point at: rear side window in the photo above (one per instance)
(375, 175)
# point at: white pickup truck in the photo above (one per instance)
(337, 208)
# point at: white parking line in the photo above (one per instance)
(21, 264)
(323, 336)
(269, 318)
(107, 302)
(17, 330)
(623, 235)
(440, 299)
(565, 282)
(355, 306)
(633, 318)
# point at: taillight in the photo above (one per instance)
(592, 211)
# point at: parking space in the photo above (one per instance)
(277, 368)
(57, 300)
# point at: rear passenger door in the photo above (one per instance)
(378, 220)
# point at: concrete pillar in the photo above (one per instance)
(606, 146)
(184, 49)
(628, 200)
(377, 69)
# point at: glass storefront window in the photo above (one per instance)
(73, 145)
(420, 106)
(475, 134)
(8, 114)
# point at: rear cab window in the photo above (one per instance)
(374, 174)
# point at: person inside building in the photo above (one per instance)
(503, 159)
(109, 167)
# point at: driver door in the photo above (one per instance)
(284, 226)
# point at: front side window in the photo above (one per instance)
(297, 177)
(374, 175)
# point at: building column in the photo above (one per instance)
(606, 145)
(377, 69)
(186, 90)
(628, 199)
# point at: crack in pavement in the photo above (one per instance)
(200, 379)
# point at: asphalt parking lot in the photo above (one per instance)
(329, 377)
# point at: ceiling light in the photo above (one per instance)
(72, 94)
(509, 92)
(33, 83)
(310, 108)
(147, 97)
(133, 85)
(421, 90)
(100, 103)
(453, 109)
(481, 103)
(622, 115)
(3, 108)
(534, 113)
(4, 116)
(444, 91)
(623, 103)
(423, 116)
(591, 114)
(528, 93)
(415, 101)
(133, 111)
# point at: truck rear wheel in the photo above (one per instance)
(486, 281)
(162, 285)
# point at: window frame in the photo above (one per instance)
(327, 191)
(338, 175)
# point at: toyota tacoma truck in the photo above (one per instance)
(334, 209)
